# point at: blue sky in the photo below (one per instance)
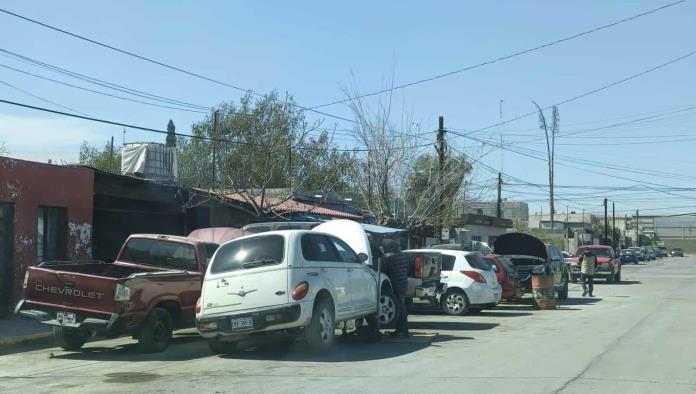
(315, 49)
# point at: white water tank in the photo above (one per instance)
(149, 160)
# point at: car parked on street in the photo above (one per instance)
(640, 253)
(628, 256)
(531, 256)
(652, 254)
(508, 277)
(149, 290)
(677, 252)
(295, 281)
(607, 266)
(469, 284)
(468, 246)
(662, 251)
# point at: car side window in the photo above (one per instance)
(317, 247)
(448, 262)
(344, 251)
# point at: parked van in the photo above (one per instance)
(297, 281)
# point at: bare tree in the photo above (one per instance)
(550, 147)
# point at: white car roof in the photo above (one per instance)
(449, 252)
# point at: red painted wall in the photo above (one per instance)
(29, 185)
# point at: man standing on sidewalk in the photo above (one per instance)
(395, 265)
(587, 272)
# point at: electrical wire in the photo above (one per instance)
(41, 98)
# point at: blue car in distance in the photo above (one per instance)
(628, 256)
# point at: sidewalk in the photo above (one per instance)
(15, 331)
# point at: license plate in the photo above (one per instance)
(241, 323)
(66, 317)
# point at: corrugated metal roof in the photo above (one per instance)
(292, 206)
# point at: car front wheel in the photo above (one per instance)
(563, 293)
(388, 310)
(455, 302)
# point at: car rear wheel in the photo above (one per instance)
(610, 277)
(455, 302)
(70, 338)
(617, 277)
(563, 293)
(574, 278)
(321, 331)
(156, 333)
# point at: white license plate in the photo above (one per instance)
(66, 317)
(241, 323)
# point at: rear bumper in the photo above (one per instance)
(92, 321)
(267, 319)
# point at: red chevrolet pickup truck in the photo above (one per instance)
(148, 291)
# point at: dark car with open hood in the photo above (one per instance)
(532, 257)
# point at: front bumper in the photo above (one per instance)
(269, 319)
(46, 315)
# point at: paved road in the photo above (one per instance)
(634, 337)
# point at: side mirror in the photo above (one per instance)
(362, 257)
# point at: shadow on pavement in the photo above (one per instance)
(627, 282)
(177, 351)
(451, 325)
(580, 301)
(503, 314)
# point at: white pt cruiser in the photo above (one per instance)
(287, 280)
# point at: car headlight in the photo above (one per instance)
(538, 269)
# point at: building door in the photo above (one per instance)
(6, 249)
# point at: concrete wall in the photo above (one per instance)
(28, 185)
(485, 232)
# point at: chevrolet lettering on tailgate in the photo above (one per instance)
(68, 291)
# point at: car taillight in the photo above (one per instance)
(300, 291)
(199, 305)
(475, 276)
(418, 267)
(122, 293)
(26, 280)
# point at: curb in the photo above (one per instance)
(9, 342)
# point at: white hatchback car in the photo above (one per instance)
(292, 280)
(470, 283)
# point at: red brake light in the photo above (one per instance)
(199, 305)
(418, 267)
(300, 291)
(475, 276)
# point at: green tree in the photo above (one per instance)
(104, 159)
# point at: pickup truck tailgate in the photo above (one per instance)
(70, 290)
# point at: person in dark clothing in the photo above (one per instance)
(395, 265)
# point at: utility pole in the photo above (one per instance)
(613, 224)
(216, 114)
(606, 224)
(111, 153)
(499, 208)
(441, 159)
(637, 235)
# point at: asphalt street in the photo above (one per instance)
(636, 336)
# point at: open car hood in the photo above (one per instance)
(520, 244)
(350, 232)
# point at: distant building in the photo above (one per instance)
(473, 227)
(562, 221)
(511, 209)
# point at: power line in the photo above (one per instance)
(41, 98)
(585, 94)
(98, 92)
(506, 57)
(148, 129)
(175, 68)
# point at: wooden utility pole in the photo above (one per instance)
(441, 148)
(637, 235)
(111, 153)
(613, 224)
(499, 208)
(606, 224)
(216, 114)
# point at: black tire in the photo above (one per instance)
(70, 338)
(617, 277)
(321, 331)
(455, 302)
(388, 309)
(156, 333)
(563, 293)
(610, 277)
(574, 278)
(219, 347)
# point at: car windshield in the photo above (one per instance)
(249, 253)
(626, 251)
(162, 253)
(594, 252)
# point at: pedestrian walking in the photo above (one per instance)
(395, 265)
(587, 269)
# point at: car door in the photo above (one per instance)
(322, 259)
(363, 284)
(556, 264)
